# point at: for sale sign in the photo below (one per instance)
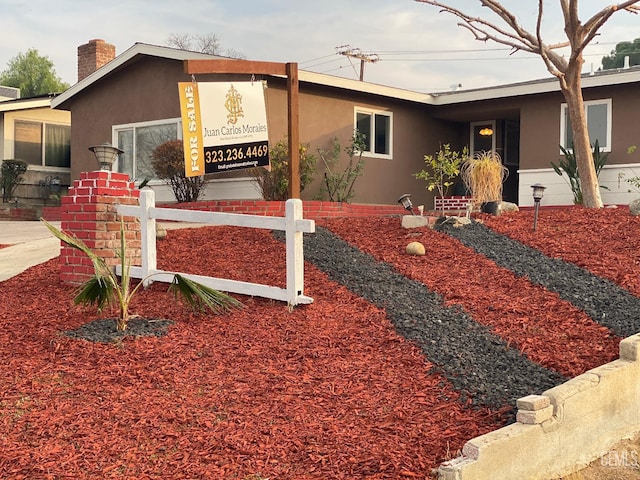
(224, 126)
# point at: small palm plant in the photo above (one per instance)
(105, 288)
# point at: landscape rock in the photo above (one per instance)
(415, 248)
(634, 207)
(161, 232)
(415, 221)
(507, 207)
(454, 221)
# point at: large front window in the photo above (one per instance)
(376, 126)
(139, 140)
(42, 144)
(598, 114)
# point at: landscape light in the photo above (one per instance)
(538, 193)
(105, 154)
(405, 201)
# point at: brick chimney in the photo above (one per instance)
(93, 55)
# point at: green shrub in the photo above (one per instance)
(10, 177)
(569, 166)
(167, 161)
(274, 181)
(339, 184)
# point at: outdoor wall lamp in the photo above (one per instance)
(105, 154)
(405, 201)
(538, 193)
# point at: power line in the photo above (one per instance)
(350, 52)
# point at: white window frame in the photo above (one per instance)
(132, 126)
(369, 152)
(587, 104)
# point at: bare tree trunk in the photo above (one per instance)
(572, 89)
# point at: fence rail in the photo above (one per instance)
(292, 224)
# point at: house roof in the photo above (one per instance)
(177, 54)
(547, 85)
(122, 59)
(38, 101)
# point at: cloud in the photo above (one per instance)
(406, 35)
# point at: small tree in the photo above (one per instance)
(167, 161)
(11, 177)
(274, 181)
(442, 169)
(205, 43)
(508, 30)
(339, 184)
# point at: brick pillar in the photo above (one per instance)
(89, 212)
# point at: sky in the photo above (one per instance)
(417, 47)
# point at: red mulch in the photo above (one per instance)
(326, 391)
(603, 241)
(549, 330)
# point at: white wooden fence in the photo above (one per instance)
(292, 223)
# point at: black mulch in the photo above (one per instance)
(604, 301)
(477, 362)
(104, 330)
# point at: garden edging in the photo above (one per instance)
(605, 400)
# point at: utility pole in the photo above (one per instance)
(347, 51)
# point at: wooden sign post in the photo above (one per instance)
(290, 70)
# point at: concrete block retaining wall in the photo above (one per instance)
(562, 430)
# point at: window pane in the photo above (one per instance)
(383, 134)
(597, 123)
(483, 141)
(568, 140)
(363, 125)
(147, 139)
(125, 160)
(57, 146)
(28, 142)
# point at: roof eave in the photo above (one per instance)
(137, 49)
(25, 104)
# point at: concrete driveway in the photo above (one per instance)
(31, 244)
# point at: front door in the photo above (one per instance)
(502, 137)
(511, 159)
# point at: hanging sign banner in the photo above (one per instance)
(191, 129)
(224, 126)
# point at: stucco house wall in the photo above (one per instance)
(146, 90)
(141, 85)
(541, 118)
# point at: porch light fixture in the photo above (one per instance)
(486, 132)
(105, 154)
(538, 193)
(405, 201)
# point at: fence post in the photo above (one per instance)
(295, 254)
(148, 233)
